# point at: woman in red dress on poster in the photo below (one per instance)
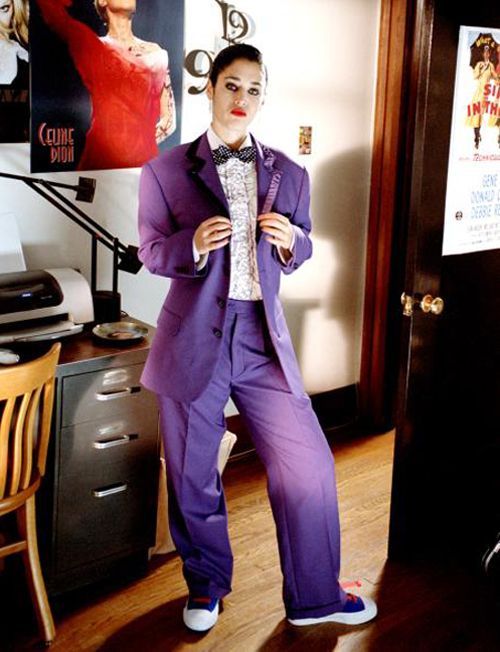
(132, 104)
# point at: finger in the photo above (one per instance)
(208, 233)
(275, 231)
(218, 245)
(216, 236)
(276, 216)
(217, 219)
(217, 228)
(284, 225)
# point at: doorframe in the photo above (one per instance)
(378, 374)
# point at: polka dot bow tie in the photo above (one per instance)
(222, 154)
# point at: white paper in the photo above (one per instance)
(11, 252)
(472, 212)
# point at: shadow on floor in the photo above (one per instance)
(434, 607)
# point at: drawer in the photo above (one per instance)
(99, 521)
(116, 444)
(90, 396)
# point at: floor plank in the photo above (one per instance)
(421, 607)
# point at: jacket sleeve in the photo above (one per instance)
(164, 249)
(301, 223)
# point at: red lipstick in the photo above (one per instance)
(239, 112)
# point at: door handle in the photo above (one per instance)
(426, 303)
(431, 304)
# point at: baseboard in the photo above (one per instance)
(335, 409)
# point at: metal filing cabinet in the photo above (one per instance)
(97, 513)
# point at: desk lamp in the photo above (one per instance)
(107, 304)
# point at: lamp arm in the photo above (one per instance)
(43, 193)
(95, 228)
(19, 177)
(126, 255)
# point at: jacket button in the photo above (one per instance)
(217, 332)
(221, 303)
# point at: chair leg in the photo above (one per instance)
(26, 519)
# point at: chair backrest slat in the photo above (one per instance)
(31, 436)
(5, 430)
(16, 445)
(47, 405)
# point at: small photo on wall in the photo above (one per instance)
(106, 82)
(14, 71)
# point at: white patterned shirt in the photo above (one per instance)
(239, 182)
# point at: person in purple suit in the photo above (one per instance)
(224, 217)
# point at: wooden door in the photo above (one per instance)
(446, 482)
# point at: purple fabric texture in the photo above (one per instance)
(298, 461)
(179, 190)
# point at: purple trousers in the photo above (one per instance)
(298, 461)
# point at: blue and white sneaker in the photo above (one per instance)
(355, 611)
(200, 613)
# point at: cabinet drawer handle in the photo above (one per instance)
(117, 441)
(111, 489)
(120, 393)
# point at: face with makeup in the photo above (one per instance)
(106, 7)
(236, 98)
(6, 13)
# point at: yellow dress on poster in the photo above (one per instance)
(483, 73)
(494, 120)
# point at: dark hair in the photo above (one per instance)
(239, 51)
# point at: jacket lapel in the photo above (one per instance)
(265, 170)
(204, 172)
(267, 174)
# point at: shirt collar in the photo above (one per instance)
(215, 141)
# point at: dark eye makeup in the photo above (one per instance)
(251, 91)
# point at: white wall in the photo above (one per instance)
(321, 57)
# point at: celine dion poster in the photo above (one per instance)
(106, 82)
(472, 213)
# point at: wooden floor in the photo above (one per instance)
(420, 607)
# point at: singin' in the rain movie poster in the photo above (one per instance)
(472, 213)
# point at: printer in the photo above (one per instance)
(43, 305)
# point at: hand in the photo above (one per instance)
(278, 228)
(211, 234)
(162, 130)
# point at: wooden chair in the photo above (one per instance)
(26, 400)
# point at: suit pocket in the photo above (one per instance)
(169, 322)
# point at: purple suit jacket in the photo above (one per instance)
(179, 190)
